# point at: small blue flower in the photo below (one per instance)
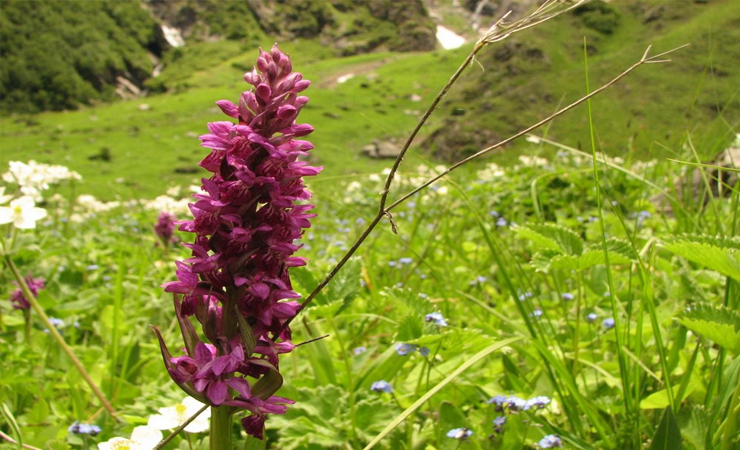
(567, 296)
(92, 267)
(84, 428)
(459, 433)
(424, 351)
(423, 295)
(359, 350)
(392, 263)
(499, 401)
(399, 285)
(515, 403)
(437, 318)
(591, 317)
(494, 214)
(501, 222)
(360, 221)
(608, 323)
(405, 349)
(550, 441)
(535, 403)
(382, 386)
(481, 279)
(56, 322)
(536, 313)
(405, 261)
(499, 421)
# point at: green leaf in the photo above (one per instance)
(668, 435)
(553, 237)
(659, 399)
(423, 399)
(449, 417)
(346, 284)
(619, 251)
(694, 423)
(719, 254)
(245, 331)
(717, 324)
(269, 383)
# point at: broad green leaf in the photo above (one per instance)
(553, 237)
(659, 399)
(721, 255)
(694, 423)
(423, 399)
(717, 324)
(668, 435)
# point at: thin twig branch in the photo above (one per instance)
(644, 60)
(312, 340)
(179, 429)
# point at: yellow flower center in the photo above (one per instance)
(123, 445)
(180, 408)
(17, 210)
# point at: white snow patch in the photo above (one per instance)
(448, 38)
(345, 77)
(173, 36)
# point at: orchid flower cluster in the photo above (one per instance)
(246, 222)
(165, 228)
(18, 300)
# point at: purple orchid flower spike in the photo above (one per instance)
(252, 210)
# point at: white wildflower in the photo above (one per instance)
(22, 213)
(174, 416)
(142, 438)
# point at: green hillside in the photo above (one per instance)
(526, 78)
(61, 54)
(152, 142)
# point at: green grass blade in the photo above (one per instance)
(417, 404)
(13, 425)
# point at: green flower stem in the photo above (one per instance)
(58, 337)
(221, 432)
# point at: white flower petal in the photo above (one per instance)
(193, 406)
(163, 421)
(198, 425)
(24, 222)
(37, 213)
(111, 444)
(146, 438)
(6, 215)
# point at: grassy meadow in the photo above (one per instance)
(580, 289)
